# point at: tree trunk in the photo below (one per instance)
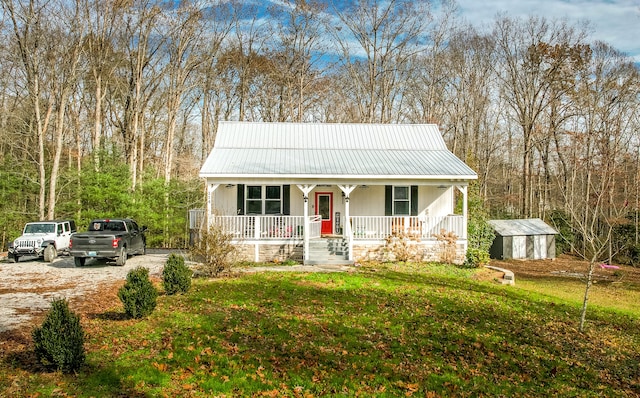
(585, 300)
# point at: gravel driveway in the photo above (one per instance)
(27, 287)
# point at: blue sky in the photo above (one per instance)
(616, 22)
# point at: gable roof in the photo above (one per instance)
(524, 227)
(339, 151)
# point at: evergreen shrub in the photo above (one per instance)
(476, 258)
(176, 276)
(59, 341)
(480, 234)
(138, 295)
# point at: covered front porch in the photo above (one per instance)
(333, 211)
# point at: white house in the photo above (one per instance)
(334, 192)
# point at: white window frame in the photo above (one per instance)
(394, 200)
(263, 198)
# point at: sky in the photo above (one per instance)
(616, 22)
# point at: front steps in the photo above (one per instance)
(328, 251)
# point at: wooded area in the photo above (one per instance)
(110, 107)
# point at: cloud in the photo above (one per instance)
(615, 22)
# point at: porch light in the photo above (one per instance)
(442, 186)
(229, 186)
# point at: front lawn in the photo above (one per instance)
(428, 330)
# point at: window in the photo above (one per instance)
(272, 203)
(401, 201)
(264, 199)
(254, 200)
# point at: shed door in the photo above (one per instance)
(324, 208)
(539, 247)
(519, 247)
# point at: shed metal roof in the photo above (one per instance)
(315, 150)
(523, 227)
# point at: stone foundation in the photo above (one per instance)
(380, 251)
(269, 252)
(425, 251)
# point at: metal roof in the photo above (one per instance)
(523, 227)
(315, 150)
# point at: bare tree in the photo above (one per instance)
(300, 47)
(103, 62)
(218, 24)
(67, 44)
(596, 197)
(184, 33)
(388, 34)
(526, 75)
(28, 22)
(137, 80)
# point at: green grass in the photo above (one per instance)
(428, 330)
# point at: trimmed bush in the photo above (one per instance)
(138, 294)
(176, 276)
(476, 258)
(59, 341)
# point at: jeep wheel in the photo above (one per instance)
(15, 258)
(79, 261)
(49, 253)
(122, 258)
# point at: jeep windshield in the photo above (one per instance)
(39, 228)
(107, 226)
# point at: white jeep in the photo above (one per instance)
(45, 239)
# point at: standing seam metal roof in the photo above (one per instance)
(522, 227)
(263, 149)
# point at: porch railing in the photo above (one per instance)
(267, 227)
(380, 227)
(196, 218)
(363, 227)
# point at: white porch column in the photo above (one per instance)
(210, 189)
(347, 189)
(465, 213)
(306, 189)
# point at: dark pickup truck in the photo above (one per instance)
(110, 239)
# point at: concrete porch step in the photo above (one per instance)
(328, 262)
(332, 250)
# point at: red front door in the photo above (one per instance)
(324, 208)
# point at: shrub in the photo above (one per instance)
(59, 341)
(138, 294)
(402, 247)
(176, 276)
(476, 258)
(214, 251)
(447, 241)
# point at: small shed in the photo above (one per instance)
(523, 239)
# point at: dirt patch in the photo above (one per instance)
(566, 266)
(28, 287)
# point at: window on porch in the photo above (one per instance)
(264, 199)
(401, 201)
